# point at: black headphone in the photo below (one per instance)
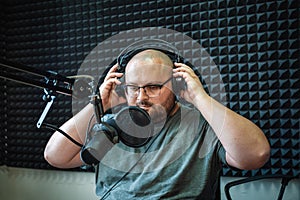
(178, 84)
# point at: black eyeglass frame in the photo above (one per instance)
(137, 88)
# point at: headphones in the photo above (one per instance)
(163, 46)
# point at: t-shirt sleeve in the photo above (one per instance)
(222, 156)
(222, 153)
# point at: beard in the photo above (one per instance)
(158, 112)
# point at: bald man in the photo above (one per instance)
(184, 157)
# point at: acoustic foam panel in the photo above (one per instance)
(255, 45)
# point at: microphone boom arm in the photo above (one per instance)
(53, 82)
(7, 68)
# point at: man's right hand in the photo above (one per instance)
(109, 96)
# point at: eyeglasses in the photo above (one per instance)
(152, 90)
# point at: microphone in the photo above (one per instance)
(81, 88)
(131, 125)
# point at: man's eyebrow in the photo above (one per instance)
(150, 83)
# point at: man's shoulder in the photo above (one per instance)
(190, 110)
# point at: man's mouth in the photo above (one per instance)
(144, 106)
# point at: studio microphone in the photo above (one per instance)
(131, 125)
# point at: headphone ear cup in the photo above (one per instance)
(178, 85)
(120, 89)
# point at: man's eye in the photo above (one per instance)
(134, 88)
(153, 87)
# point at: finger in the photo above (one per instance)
(182, 67)
(112, 82)
(113, 68)
(185, 69)
(117, 81)
(181, 71)
(182, 74)
(112, 73)
(178, 65)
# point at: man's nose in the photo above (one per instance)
(142, 94)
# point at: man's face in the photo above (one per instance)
(142, 71)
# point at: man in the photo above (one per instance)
(177, 162)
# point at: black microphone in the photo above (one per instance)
(131, 125)
(81, 88)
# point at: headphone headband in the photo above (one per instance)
(171, 51)
(141, 45)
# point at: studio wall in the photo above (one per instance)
(255, 45)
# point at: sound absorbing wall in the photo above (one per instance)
(254, 43)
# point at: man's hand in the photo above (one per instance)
(107, 89)
(194, 86)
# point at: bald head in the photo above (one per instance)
(150, 57)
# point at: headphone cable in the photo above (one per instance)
(46, 125)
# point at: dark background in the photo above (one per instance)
(255, 45)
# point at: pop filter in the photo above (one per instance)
(135, 125)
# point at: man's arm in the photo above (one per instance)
(60, 151)
(246, 145)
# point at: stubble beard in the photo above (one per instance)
(158, 112)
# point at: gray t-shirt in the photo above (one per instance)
(181, 161)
